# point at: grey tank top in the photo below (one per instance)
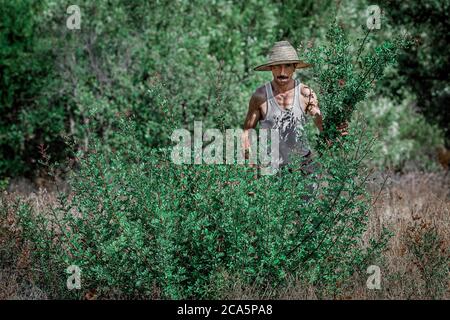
(290, 123)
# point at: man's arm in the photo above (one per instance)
(251, 121)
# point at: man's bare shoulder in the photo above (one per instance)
(259, 96)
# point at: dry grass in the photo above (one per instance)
(414, 206)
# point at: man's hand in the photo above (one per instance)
(343, 128)
(312, 108)
(245, 144)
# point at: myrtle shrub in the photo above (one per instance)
(345, 75)
(135, 221)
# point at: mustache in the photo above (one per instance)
(282, 77)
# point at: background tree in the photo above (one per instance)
(424, 69)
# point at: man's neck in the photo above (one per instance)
(283, 88)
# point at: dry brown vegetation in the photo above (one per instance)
(415, 265)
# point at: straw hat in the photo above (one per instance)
(282, 53)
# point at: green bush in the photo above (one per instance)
(137, 220)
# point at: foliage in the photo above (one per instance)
(137, 220)
(27, 118)
(406, 141)
(344, 78)
(422, 70)
(55, 80)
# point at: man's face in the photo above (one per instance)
(282, 73)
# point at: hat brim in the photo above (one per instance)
(267, 66)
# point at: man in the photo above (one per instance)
(283, 104)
